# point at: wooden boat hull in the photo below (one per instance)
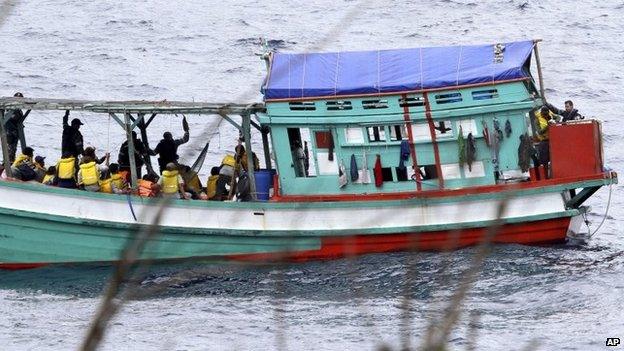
(45, 225)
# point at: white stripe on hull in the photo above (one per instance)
(313, 219)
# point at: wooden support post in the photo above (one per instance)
(20, 131)
(133, 174)
(265, 145)
(539, 70)
(249, 151)
(5, 147)
(143, 128)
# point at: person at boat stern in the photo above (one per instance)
(167, 148)
(544, 118)
(13, 118)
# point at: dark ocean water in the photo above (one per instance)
(567, 297)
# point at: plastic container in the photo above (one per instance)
(264, 181)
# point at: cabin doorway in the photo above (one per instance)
(300, 143)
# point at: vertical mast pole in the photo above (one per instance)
(5, 147)
(265, 144)
(143, 128)
(250, 163)
(133, 174)
(539, 69)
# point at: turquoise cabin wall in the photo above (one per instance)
(511, 101)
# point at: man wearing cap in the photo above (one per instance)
(13, 120)
(72, 138)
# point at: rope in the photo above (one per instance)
(108, 134)
(605, 215)
(128, 197)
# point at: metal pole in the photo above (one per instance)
(20, 132)
(250, 163)
(133, 174)
(5, 147)
(265, 144)
(539, 69)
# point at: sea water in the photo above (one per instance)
(566, 297)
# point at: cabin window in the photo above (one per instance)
(374, 104)
(448, 98)
(443, 129)
(354, 135)
(412, 101)
(300, 145)
(398, 132)
(401, 174)
(468, 126)
(428, 172)
(324, 139)
(376, 134)
(485, 94)
(338, 105)
(421, 132)
(302, 106)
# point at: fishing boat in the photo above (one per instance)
(364, 152)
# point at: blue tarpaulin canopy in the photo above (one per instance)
(308, 75)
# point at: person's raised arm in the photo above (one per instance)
(65, 119)
(185, 138)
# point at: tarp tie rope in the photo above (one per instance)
(461, 48)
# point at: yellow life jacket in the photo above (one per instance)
(90, 174)
(170, 182)
(211, 186)
(229, 160)
(66, 168)
(193, 182)
(47, 179)
(118, 180)
(542, 124)
(19, 159)
(106, 186)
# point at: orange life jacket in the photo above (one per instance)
(145, 188)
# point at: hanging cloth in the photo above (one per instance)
(497, 129)
(354, 169)
(330, 146)
(364, 177)
(486, 133)
(471, 151)
(495, 138)
(405, 153)
(342, 175)
(461, 147)
(378, 173)
(525, 152)
(508, 128)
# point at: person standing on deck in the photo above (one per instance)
(569, 113)
(72, 143)
(544, 118)
(13, 119)
(167, 148)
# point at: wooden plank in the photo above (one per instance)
(133, 107)
(5, 147)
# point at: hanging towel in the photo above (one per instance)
(486, 133)
(471, 151)
(342, 175)
(405, 153)
(497, 129)
(378, 173)
(525, 152)
(508, 128)
(364, 177)
(330, 156)
(354, 169)
(461, 147)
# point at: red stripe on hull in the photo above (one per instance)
(532, 233)
(21, 266)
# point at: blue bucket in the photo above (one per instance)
(264, 181)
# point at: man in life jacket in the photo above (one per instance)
(544, 118)
(50, 177)
(211, 184)
(171, 182)
(118, 181)
(140, 151)
(226, 178)
(66, 171)
(192, 184)
(40, 168)
(106, 182)
(72, 142)
(23, 167)
(148, 186)
(14, 119)
(89, 175)
(241, 157)
(167, 148)
(569, 113)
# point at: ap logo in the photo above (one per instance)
(613, 341)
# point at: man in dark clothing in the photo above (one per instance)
(569, 113)
(72, 143)
(140, 150)
(13, 118)
(167, 148)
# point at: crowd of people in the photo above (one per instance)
(80, 168)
